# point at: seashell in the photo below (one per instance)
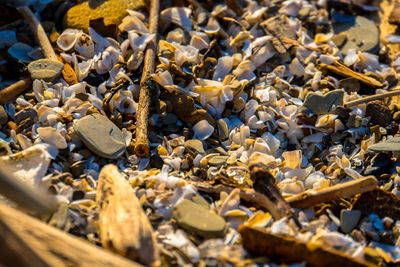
(291, 8)
(259, 219)
(325, 120)
(135, 60)
(368, 61)
(313, 178)
(139, 42)
(351, 58)
(7, 38)
(98, 39)
(108, 60)
(291, 187)
(223, 128)
(68, 38)
(292, 158)
(198, 42)
(212, 27)
(224, 66)
(203, 130)
(230, 203)
(282, 227)
(84, 46)
(244, 71)
(52, 136)
(296, 67)
(186, 53)
(21, 52)
(176, 36)
(177, 15)
(393, 39)
(301, 174)
(82, 69)
(264, 50)
(314, 138)
(133, 23)
(31, 164)
(126, 104)
(272, 141)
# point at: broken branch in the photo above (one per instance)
(142, 146)
(15, 89)
(372, 98)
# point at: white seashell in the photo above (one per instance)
(186, 53)
(328, 60)
(264, 50)
(272, 141)
(291, 8)
(98, 39)
(177, 15)
(108, 60)
(368, 61)
(296, 67)
(139, 42)
(82, 69)
(325, 120)
(223, 128)
(350, 58)
(203, 130)
(231, 202)
(261, 146)
(393, 39)
(68, 38)
(85, 46)
(313, 178)
(212, 26)
(127, 105)
(7, 38)
(133, 23)
(31, 164)
(52, 136)
(301, 174)
(198, 42)
(250, 108)
(244, 71)
(314, 138)
(336, 239)
(316, 80)
(293, 158)
(174, 163)
(175, 36)
(135, 60)
(282, 227)
(291, 187)
(224, 66)
(352, 173)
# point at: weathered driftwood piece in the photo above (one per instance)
(24, 195)
(303, 200)
(348, 189)
(15, 89)
(264, 183)
(342, 70)
(142, 146)
(124, 227)
(372, 98)
(287, 249)
(27, 241)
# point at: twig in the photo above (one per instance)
(38, 32)
(142, 146)
(372, 98)
(348, 189)
(124, 227)
(15, 89)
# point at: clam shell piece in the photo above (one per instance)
(29, 165)
(325, 120)
(177, 15)
(186, 53)
(85, 46)
(292, 158)
(259, 219)
(203, 130)
(224, 66)
(133, 23)
(231, 202)
(68, 38)
(139, 42)
(52, 136)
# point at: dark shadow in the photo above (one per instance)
(95, 3)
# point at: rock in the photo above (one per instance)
(3, 116)
(156, 161)
(113, 11)
(218, 160)
(390, 145)
(193, 217)
(199, 200)
(349, 220)
(362, 35)
(100, 135)
(194, 147)
(170, 118)
(322, 104)
(380, 163)
(45, 69)
(379, 112)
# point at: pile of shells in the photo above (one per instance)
(274, 77)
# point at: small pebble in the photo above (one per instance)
(349, 220)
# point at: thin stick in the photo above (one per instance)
(142, 146)
(348, 189)
(372, 98)
(15, 89)
(38, 32)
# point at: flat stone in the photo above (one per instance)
(362, 36)
(112, 11)
(45, 69)
(349, 220)
(199, 200)
(322, 104)
(194, 147)
(218, 160)
(3, 116)
(193, 217)
(100, 135)
(391, 145)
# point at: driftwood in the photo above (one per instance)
(15, 89)
(142, 146)
(303, 200)
(27, 241)
(287, 249)
(124, 227)
(372, 98)
(348, 189)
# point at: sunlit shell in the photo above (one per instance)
(313, 178)
(244, 71)
(224, 66)
(139, 41)
(108, 60)
(52, 136)
(259, 219)
(135, 60)
(203, 130)
(292, 158)
(223, 128)
(85, 46)
(186, 53)
(198, 42)
(177, 15)
(68, 38)
(291, 187)
(296, 67)
(351, 57)
(133, 23)
(272, 141)
(230, 203)
(262, 50)
(212, 26)
(325, 120)
(301, 174)
(126, 104)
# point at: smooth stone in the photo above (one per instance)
(194, 147)
(323, 104)
(349, 220)
(362, 36)
(199, 200)
(112, 11)
(195, 218)
(170, 118)
(45, 69)
(391, 145)
(218, 160)
(3, 116)
(100, 135)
